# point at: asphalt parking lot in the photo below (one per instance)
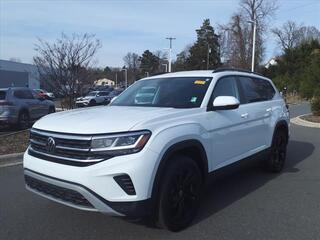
(244, 203)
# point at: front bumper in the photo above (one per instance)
(8, 120)
(82, 103)
(94, 188)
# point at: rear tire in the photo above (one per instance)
(277, 156)
(51, 110)
(23, 120)
(180, 192)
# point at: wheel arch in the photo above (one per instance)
(192, 148)
(281, 125)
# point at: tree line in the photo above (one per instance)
(68, 63)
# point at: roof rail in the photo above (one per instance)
(224, 69)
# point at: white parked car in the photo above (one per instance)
(92, 98)
(152, 157)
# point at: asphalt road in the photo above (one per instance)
(243, 203)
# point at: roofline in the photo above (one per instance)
(236, 70)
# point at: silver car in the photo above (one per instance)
(21, 106)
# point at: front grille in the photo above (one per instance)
(64, 194)
(68, 149)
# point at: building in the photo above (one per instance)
(16, 74)
(104, 82)
(271, 62)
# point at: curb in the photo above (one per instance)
(299, 121)
(11, 159)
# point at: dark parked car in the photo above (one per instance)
(21, 106)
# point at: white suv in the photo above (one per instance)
(152, 157)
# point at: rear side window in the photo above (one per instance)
(3, 95)
(256, 90)
(23, 94)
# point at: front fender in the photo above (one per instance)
(165, 138)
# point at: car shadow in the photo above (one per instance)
(233, 183)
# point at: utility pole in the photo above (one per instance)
(170, 50)
(208, 54)
(254, 22)
(116, 79)
(126, 76)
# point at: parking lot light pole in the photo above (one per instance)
(170, 51)
(254, 22)
(126, 76)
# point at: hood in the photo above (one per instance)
(102, 119)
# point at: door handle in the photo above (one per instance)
(244, 115)
(268, 112)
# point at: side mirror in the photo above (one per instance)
(225, 103)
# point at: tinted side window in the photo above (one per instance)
(23, 94)
(226, 86)
(103, 93)
(256, 90)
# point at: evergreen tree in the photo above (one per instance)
(207, 44)
(149, 63)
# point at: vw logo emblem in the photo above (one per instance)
(51, 145)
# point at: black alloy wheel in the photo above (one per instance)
(179, 194)
(278, 152)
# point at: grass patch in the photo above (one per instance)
(311, 118)
(14, 143)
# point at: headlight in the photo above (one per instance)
(120, 144)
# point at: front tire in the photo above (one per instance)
(179, 193)
(23, 120)
(278, 152)
(92, 103)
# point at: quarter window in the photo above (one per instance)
(256, 90)
(226, 86)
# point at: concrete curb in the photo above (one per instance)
(11, 159)
(299, 121)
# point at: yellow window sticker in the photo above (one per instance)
(200, 82)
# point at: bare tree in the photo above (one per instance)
(236, 36)
(131, 60)
(132, 63)
(308, 33)
(288, 36)
(63, 64)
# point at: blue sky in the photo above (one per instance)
(124, 25)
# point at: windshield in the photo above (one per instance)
(176, 92)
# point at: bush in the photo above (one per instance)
(315, 105)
